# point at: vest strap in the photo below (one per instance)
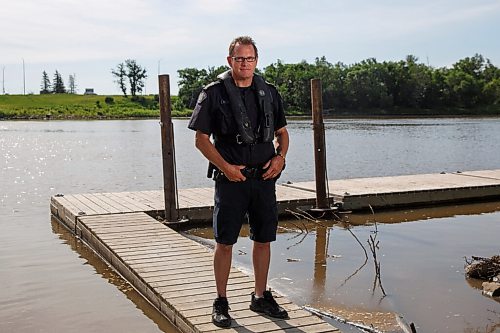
(265, 131)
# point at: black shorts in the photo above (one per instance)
(252, 201)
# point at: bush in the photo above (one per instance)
(145, 102)
(109, 100)
(139, 100)
(177, 104)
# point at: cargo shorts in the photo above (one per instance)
(252, 201)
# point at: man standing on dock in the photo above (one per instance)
(245, 115)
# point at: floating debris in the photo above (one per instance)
(487, 269)
(482, 268)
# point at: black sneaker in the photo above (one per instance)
(268, 306)
(220, 313)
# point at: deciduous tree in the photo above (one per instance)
(369, 84)
(192, 80)
(136, 75)
(121, 76)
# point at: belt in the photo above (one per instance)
(234, 139)
(248, 172)
(253, 173)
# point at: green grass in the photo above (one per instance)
(68, 106)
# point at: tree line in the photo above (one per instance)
(57, 85)
(470, 83)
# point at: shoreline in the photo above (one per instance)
(289, 117)
(101, 107)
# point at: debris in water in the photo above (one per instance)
(292, 260)
(335, 256)
(483, 268)
(487, 269)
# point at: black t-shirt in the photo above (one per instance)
(212, 115)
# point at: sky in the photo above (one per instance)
(87, 38)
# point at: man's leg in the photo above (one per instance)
(261, 257)
(222, 265)
(262, 300)
(263, 215)
(229, 212)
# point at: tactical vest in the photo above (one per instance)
(265, 129)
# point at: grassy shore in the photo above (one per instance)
(68, 106)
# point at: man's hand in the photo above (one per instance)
(275, 165)
(233, 173)
(207, 148)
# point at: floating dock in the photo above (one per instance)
(411, 190)
(175, 273)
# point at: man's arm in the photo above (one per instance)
(207, 148)
(277, 163)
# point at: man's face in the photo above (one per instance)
(242, 70)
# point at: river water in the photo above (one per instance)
(52, 283)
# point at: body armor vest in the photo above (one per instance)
(265, 129)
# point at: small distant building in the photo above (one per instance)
(89, 91)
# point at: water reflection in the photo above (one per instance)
(42, 158)
(320, 255)
(421, 255)
(112, 277)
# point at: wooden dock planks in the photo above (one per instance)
(353, 194)
(175, 274)
(194, 204)
(410, 190)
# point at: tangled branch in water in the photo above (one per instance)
(482, 268)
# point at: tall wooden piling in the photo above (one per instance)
(168, 149)
(319, 144)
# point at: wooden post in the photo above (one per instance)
(167, 150)
(319, 144)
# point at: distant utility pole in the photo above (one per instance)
(3, 80)
(24, 79)
(159, 70)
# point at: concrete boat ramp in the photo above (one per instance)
(175, 273)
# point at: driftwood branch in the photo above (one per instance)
(364, 263)
(303, 215)
(373, 243)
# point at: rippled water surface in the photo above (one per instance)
(51, 282)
